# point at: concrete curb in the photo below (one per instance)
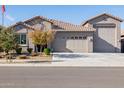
(65, 64)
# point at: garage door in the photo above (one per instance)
(69, 43)
(76, 45)
(104, 40)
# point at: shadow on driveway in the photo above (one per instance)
(70, 55)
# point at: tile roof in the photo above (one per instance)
(40, 17)
(64, 25)
(22, 23)
(28, 20)
(71, 27)
(114, 17)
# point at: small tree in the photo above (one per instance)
(41, 38)
(50, 36)
(1, 28)
(8, 40)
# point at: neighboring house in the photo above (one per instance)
(101, 33)
(122, 41)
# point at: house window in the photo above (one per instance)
(80, 37)
(72, 37)
(18, 39)
(76, 37)
(84, 37)
(21, 38)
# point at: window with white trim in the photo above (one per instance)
(21, 38)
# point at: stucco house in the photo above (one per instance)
(101, 33)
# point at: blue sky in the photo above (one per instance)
(74, 14)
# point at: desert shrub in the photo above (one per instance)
(1, 50)
(1, 56)
(47, 51)
(18, 50)
(34, 54)
(29, 50)
(9, 56)
(22, 57)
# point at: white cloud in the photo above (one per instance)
(10, 18)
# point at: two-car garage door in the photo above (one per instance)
(70, 42)
(76, 45)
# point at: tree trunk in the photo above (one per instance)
(40, 49)
(36, 49)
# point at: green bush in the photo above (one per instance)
(29, 50)
(18, 50)
(47, 51)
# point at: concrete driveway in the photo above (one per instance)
(88, 59)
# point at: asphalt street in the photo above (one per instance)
(62, 77)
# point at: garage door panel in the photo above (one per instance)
(70, 42)
(70, 46)
(77, 45)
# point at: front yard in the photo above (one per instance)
(11, 46)
(25, 58)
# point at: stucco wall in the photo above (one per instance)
(107, 34)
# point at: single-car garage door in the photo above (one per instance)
(70, 42)
(104, 39)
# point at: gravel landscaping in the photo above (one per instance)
(25, 58)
